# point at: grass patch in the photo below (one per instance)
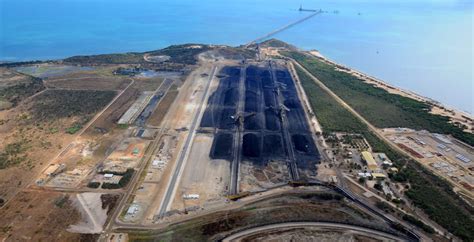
(55, 104)
(14, 153)
(183, 54)
(276, 44)
(61, 201)
(123, 58)
(122, 126)
(427, 191)
(16, 93)
(379, 107)
(93, 184)
(73, 129)
(332, 116)
(418, 223)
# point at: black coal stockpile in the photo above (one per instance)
(251, 145)
(222, 146)
(273, 146)
(223, 102)
(262, 137)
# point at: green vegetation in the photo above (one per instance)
(378, 106)
(378, 186)
(123, 58)
(418, 223)
(427, 191)
(55, 104)
(61, 201)
(117, 173)
(123, 181)
(53, 130)
(73, 129)
(93, 184)
(13, 153)
(122, 126)
(436, 198)
(23, 89)
(236, 53)
(277, 44)
(184, 54)
(384, 206)
(21, 63)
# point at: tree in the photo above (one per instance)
(378, 186)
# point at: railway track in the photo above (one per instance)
(234, 178)
(170, 191)
(292, 167)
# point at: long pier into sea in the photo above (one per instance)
(281, 29)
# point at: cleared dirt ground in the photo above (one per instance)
(41, 144)
(254, 178)
(176, 118)
(38, 216)
(42, 140)
(203, 176)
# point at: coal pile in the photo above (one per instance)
(251, 145)
(264, 94)
(223, 102)
(222, 146)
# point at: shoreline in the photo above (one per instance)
(454, 114)
(438, 108)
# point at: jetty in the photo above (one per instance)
(281, 29)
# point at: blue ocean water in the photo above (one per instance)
(420, 45)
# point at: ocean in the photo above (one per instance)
(425, 46)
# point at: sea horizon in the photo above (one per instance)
(421, 46)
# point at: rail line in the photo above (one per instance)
(234, 176)
(170, 191)
(291, 162)
(304, 224)
(410, 233)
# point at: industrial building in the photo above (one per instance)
(379, 176)
(369, 160)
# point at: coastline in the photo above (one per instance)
(438, 108)
(455, 115)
